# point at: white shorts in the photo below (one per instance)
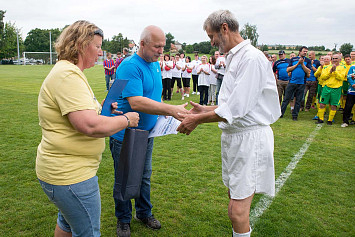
(248, 161)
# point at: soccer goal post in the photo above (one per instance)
(38, 58)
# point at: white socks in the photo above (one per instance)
(242, 234)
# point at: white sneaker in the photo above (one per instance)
(198, 93)
(344, 125)
(193, 93)
(212, 103)
(187, 95)
(182, 98)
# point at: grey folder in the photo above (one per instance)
(131, 164)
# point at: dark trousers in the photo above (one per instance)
(350, 101)
(311, 87)
(167, 89)
(194, 83)
(123, 209)
(178, 82)
(293, 89)
(203, 95)
(218, 87)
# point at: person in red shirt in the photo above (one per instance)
(119, 59)
(109, 66)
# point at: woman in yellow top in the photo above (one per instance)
(73, 132)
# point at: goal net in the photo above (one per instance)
(38, 58)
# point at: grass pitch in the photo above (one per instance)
(188, 195)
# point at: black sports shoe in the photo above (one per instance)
(319, 121)
(294, 118)
(123, 229)
(150, 222)
(329, 122)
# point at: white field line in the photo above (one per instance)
(265, 201)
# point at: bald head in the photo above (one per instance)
(312, 55)
(151, 31)
(152, 43)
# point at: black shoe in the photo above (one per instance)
(319, 121)
(352, 122)
(150, 222)
(123, 229)
(294, 118)
(329, 122)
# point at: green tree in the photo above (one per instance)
(264, 47)
(189, 48)
(169, 40)
(196, 47)
(37, 40)
(205, 47)
(184, 46)
(116, 44)
(346, 48)
(9, 38)
(2, 27)
(249, 32)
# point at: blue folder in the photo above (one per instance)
(113, 95)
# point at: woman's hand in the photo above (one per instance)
(133, 119)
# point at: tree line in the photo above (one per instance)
(37, 40)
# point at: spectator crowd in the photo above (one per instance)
(300, 80)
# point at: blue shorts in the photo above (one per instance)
(79, 206)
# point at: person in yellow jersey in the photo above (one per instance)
(73, 132)
(333, 80)
(352, 57)
(345, 86)
(324, 64)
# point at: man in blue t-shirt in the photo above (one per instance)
(311, 82)
(300, 68)
(143, 95)
(281, 75)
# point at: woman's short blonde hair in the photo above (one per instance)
(74, 39)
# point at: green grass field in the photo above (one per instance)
(188, 195)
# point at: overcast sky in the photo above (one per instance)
(300, 22)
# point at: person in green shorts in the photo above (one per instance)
(333, 78)
(319, 74)
(345, 86)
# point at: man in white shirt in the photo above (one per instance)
(248, 104)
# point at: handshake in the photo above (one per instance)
(193, 117)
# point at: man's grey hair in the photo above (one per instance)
(217, 18)
(146, 35)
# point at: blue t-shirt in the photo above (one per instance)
(316, 64)
(298, 76)
(351, 81)
(280, 66)
(144, 79)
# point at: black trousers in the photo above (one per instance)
(350, 101)
(203, 95)
(167, 89)
(195, 82)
